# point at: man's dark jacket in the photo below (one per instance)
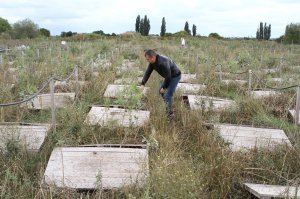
(165, 67)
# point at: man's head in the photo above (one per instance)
(150, 56)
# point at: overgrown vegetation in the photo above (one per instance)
(187, 158)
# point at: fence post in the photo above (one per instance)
(220, 72)
(297, 106)
(249, 82)
(53, 119)
(0, 61)
(76, 83)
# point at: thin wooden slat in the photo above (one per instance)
(29, 136)
(43, 101)
(273, 191)
(117, 117)
(207, 102)
(187, 88)
(114, 91)
(96, 167)
(241, 137)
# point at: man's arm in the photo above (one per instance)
(147, 75)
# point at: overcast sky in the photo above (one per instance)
(230, 18)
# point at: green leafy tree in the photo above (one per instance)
(137, 23)
(25, 29)
(4, 25)
(194, 29)
(45, 32)
(292, 33)
(163, 27)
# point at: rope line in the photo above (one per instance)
(31, 97)
(39, 91)
(273, 88)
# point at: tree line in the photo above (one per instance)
(142, 26)
(28, 29)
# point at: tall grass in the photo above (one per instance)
(187, 158)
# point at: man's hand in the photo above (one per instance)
(142, 88)
(162, 91)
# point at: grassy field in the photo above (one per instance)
(186, 159)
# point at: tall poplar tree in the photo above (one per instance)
(194, 29)
(186, 28)
(163, 27)
(137, 23)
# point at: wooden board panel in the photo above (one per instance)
(29, 136)
(262, 94)
(188, 78)
(273, 191)
(105, 116)
(213, 103)
(115, 91)
(97, 167)
(187, 88)
(43, 101)
(243, 137)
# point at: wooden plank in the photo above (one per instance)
(29, 136)
(243, 137)
(97, 167)
(115, 91)
(105, 116)
(187, 88)
(207, 102)
(273, 191)
(236, 81)
(43, 101)
(128, 80)
(271, 70)
(188, 78)
(261, 94)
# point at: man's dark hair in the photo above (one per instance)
(150, 53)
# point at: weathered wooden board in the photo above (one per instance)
(115, 91)
(128, 80)
(63, 86)
(97, 167)
(277, 79)
(43, 101)
(29, 136)
(188, 78)
(265, 191)
(187, 88)
(236, 81)
(244, 137)
(271, 70)
(105, 116)
(262, 94)
(210, 103)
